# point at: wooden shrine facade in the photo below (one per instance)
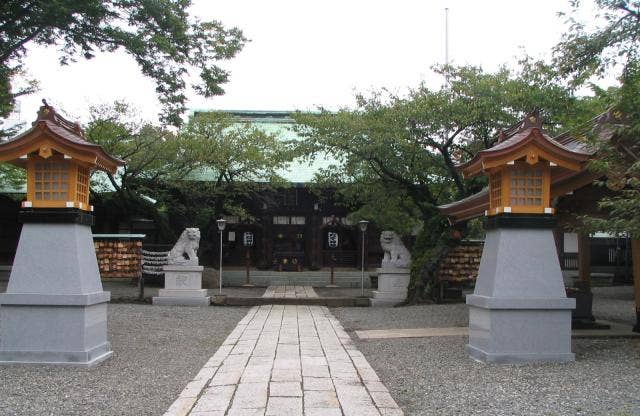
(296, 231)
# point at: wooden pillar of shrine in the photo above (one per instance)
(584, 260)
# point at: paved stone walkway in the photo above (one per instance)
(286, 360)
(290, 292)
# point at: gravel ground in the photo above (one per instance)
(434, 376)
(157, 351)
(614, 303)
(122, 290)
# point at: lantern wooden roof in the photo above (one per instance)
(52, 132)
(562, 182)
(525, 140)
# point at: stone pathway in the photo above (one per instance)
(286, 360)
(290, 292)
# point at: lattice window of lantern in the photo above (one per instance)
(496, 190)
(51, 181)
(526, 186)
(82, 185)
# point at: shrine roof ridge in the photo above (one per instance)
(63, 131)
(527, 130)
(603, 126)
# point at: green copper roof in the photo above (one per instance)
(279, 123)
(256, 117)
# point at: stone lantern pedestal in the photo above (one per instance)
(393, 284)
(519, 311)
(54, 310)
(182, 286)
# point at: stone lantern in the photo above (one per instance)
(519, 311)
(54, 309)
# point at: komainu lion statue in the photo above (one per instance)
(395, 253)
(185, 251)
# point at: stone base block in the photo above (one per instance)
(384, 303)
(183, 293)
(392, 287)
(513, 336)
(181, 301)
(74, 335)
(521, 358)
(519, 312)
(182, 287)
(399, 296)
(183, 277)
(84, 359)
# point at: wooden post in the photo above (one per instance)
(584, 260)
(635, 253)
(247, 282)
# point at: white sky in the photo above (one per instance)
(303, 54)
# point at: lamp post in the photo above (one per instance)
(363, 227)
(247, 240)
(221, 224)
(333, 241)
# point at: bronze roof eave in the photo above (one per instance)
(467, 208)
(64, 137)
(475, 165)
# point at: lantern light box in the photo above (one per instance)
(522, 168)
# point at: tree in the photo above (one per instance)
(618, 161)
(160, 35)
(410, 145)
(585, 54)
(11, 176)
(212, 166)
(396, 156)
(237, 159)
(149, 151)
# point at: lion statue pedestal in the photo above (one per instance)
(393, 275)
(183, 276)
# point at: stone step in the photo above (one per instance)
(329, 302)
(343, 278)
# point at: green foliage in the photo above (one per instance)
(210, 167)
(237, 160)
(232, 151)
(11, 176)
(160, 35)
(586, 53)
(432, 245)
(619, 161)
(149, 151)
(397, 155)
